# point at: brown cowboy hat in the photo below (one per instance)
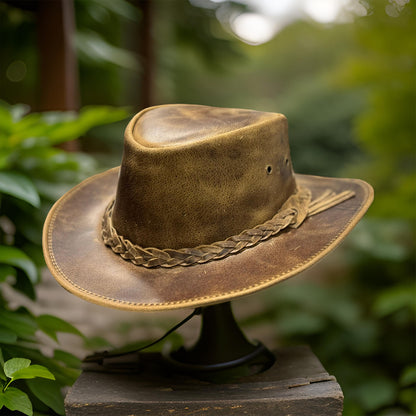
(204, 208)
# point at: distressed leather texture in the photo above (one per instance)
(80, 261)
(194, 175)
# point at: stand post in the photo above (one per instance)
(221, 347)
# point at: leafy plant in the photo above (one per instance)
(360, 321)
(34, 172)
(19, 369)
(384, 67)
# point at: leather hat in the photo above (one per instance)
(205, 207)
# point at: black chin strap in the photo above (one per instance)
(99, 357)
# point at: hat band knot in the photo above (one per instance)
(294, 211)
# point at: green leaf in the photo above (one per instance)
(93, 47)
(393, 299)
(6, 120)
(48, 393)
(53, 118)
(374, 393)
(51, 325)
(15, 364)
(2, 375)
(100, 115)
(64, 375)
(5, 272)
(33, 371)
(7, 336)
(60, 127)
(408, 376)
(67, 358)
(121, 8)
(18, 111)
(24, 285)
(4, 158)
(15, 399)
(19, 186)
(19, 322)
(12, 256)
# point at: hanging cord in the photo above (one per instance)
(99, 357)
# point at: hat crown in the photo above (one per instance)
(194, 175)
(178, 124)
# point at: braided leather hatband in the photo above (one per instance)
(291, 215)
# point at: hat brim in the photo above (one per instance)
(82, 264)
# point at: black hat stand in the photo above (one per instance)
(222, 351)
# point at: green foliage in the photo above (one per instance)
(51, 325)
(385, 66)
(48, 393)
(18, 369)
(195, 29)
(292, 74)
(34, 172)
(361, 322)
(15, 257)
(103, 58)
(359, 326)
(19, 186)
(100, 26)
(15, 399)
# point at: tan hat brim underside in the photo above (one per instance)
(82, 264)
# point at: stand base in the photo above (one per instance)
(257, 361)
(222, 351)
(296, 384)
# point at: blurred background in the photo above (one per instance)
(342, 71)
